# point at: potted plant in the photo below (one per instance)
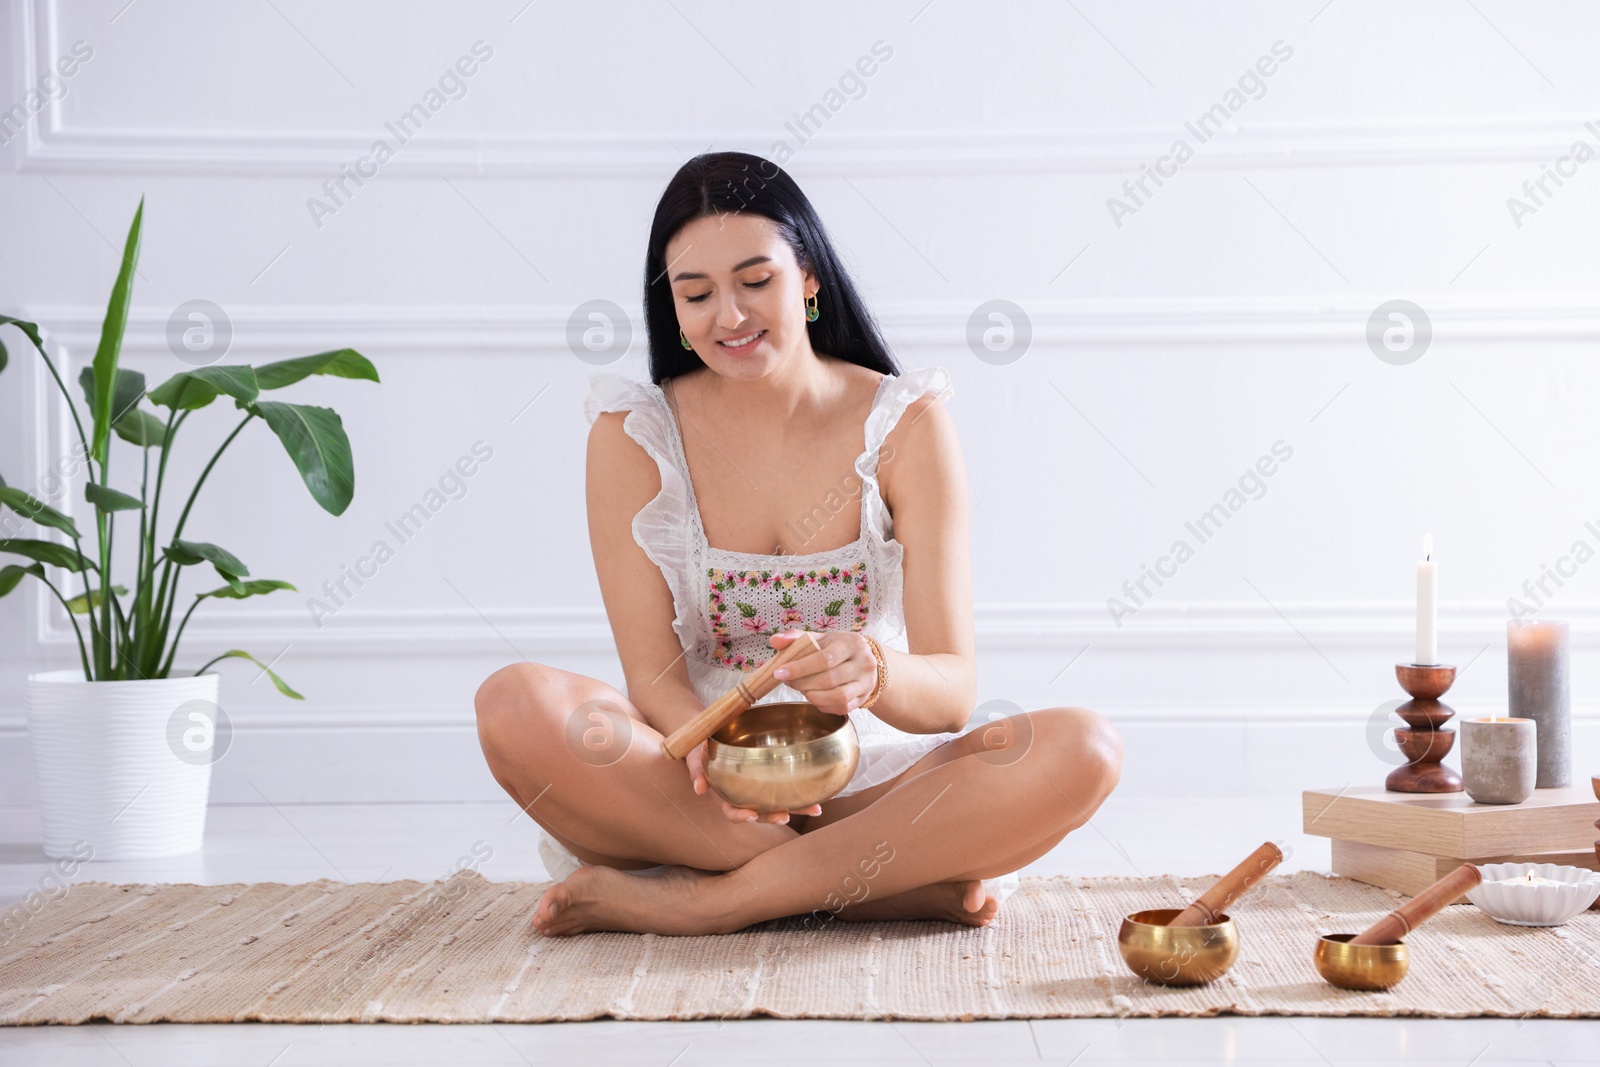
(123, 743)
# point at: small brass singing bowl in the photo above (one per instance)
(782, 756)
(1177, 955)
(1370, 967)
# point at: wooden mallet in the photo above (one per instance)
(1230, 887)
(737, 700)
(1420, 908)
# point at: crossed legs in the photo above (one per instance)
(978, 807)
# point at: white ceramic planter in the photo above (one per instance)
(106, 760)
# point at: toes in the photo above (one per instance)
(550, 905)
(972, 898)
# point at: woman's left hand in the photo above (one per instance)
(837, 677)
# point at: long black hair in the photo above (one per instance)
(716, 183)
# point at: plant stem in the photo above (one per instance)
(209, 662)
(82, 439)
(166, 614)
(184, 517)
(138, 569)
(83, 568)
(166, 667)
(106, 528)
(169, 603)
(157, 625)
(88, 675)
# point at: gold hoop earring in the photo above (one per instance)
(811, 308)
(684, 340)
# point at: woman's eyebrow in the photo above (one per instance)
(752, 261)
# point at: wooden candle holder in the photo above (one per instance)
(1424, 739)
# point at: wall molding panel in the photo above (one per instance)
(1242, 628)
(51, 146)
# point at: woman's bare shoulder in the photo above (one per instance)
(923, 447)
(618, 463)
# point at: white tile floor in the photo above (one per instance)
(387, 841)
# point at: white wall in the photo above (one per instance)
(1171, 347)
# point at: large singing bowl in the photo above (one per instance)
(782, 756)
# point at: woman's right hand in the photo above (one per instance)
(696, 761)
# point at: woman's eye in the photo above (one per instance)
(748, 285)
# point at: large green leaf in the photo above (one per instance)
(108, 499)
(254, 587)
(283, 687)
(11, 574)
(82, 603)
(141, 428)
(315, 440)
(196, 388)
(111, 331)
(126, 396)
(37, 510)
(45, 552)
(187, 553)
(344, 363)
(4, 359)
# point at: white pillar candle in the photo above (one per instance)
(1427, 606)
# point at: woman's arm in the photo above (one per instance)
(933, 687)
(924, 483)
(621, 479)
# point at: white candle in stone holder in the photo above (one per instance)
(1540, 689)
(1427, 606)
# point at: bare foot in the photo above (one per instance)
(679, 901)
(956, 902)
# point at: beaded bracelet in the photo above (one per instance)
(883, 673)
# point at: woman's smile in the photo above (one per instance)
(740, 345)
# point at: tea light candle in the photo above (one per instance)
(1499, 759)
(1540, 690)
(1536, 894)
(1528, 879)
(1427, 606)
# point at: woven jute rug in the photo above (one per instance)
(464, 950)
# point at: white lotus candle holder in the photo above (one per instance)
(1534, 894)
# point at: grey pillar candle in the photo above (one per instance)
(1540, 690)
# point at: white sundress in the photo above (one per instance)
(727, 603)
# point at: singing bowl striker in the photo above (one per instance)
(1369, 967)
(782, 756)
(1177, 955)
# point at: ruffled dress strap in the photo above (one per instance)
(895, 394)
(662, 527)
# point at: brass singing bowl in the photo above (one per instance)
(1360, 966)
(782, 756)
(1177, 955)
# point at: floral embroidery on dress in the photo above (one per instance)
(749, 606)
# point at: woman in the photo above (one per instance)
(722, 499)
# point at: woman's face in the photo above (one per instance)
(734, 277)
